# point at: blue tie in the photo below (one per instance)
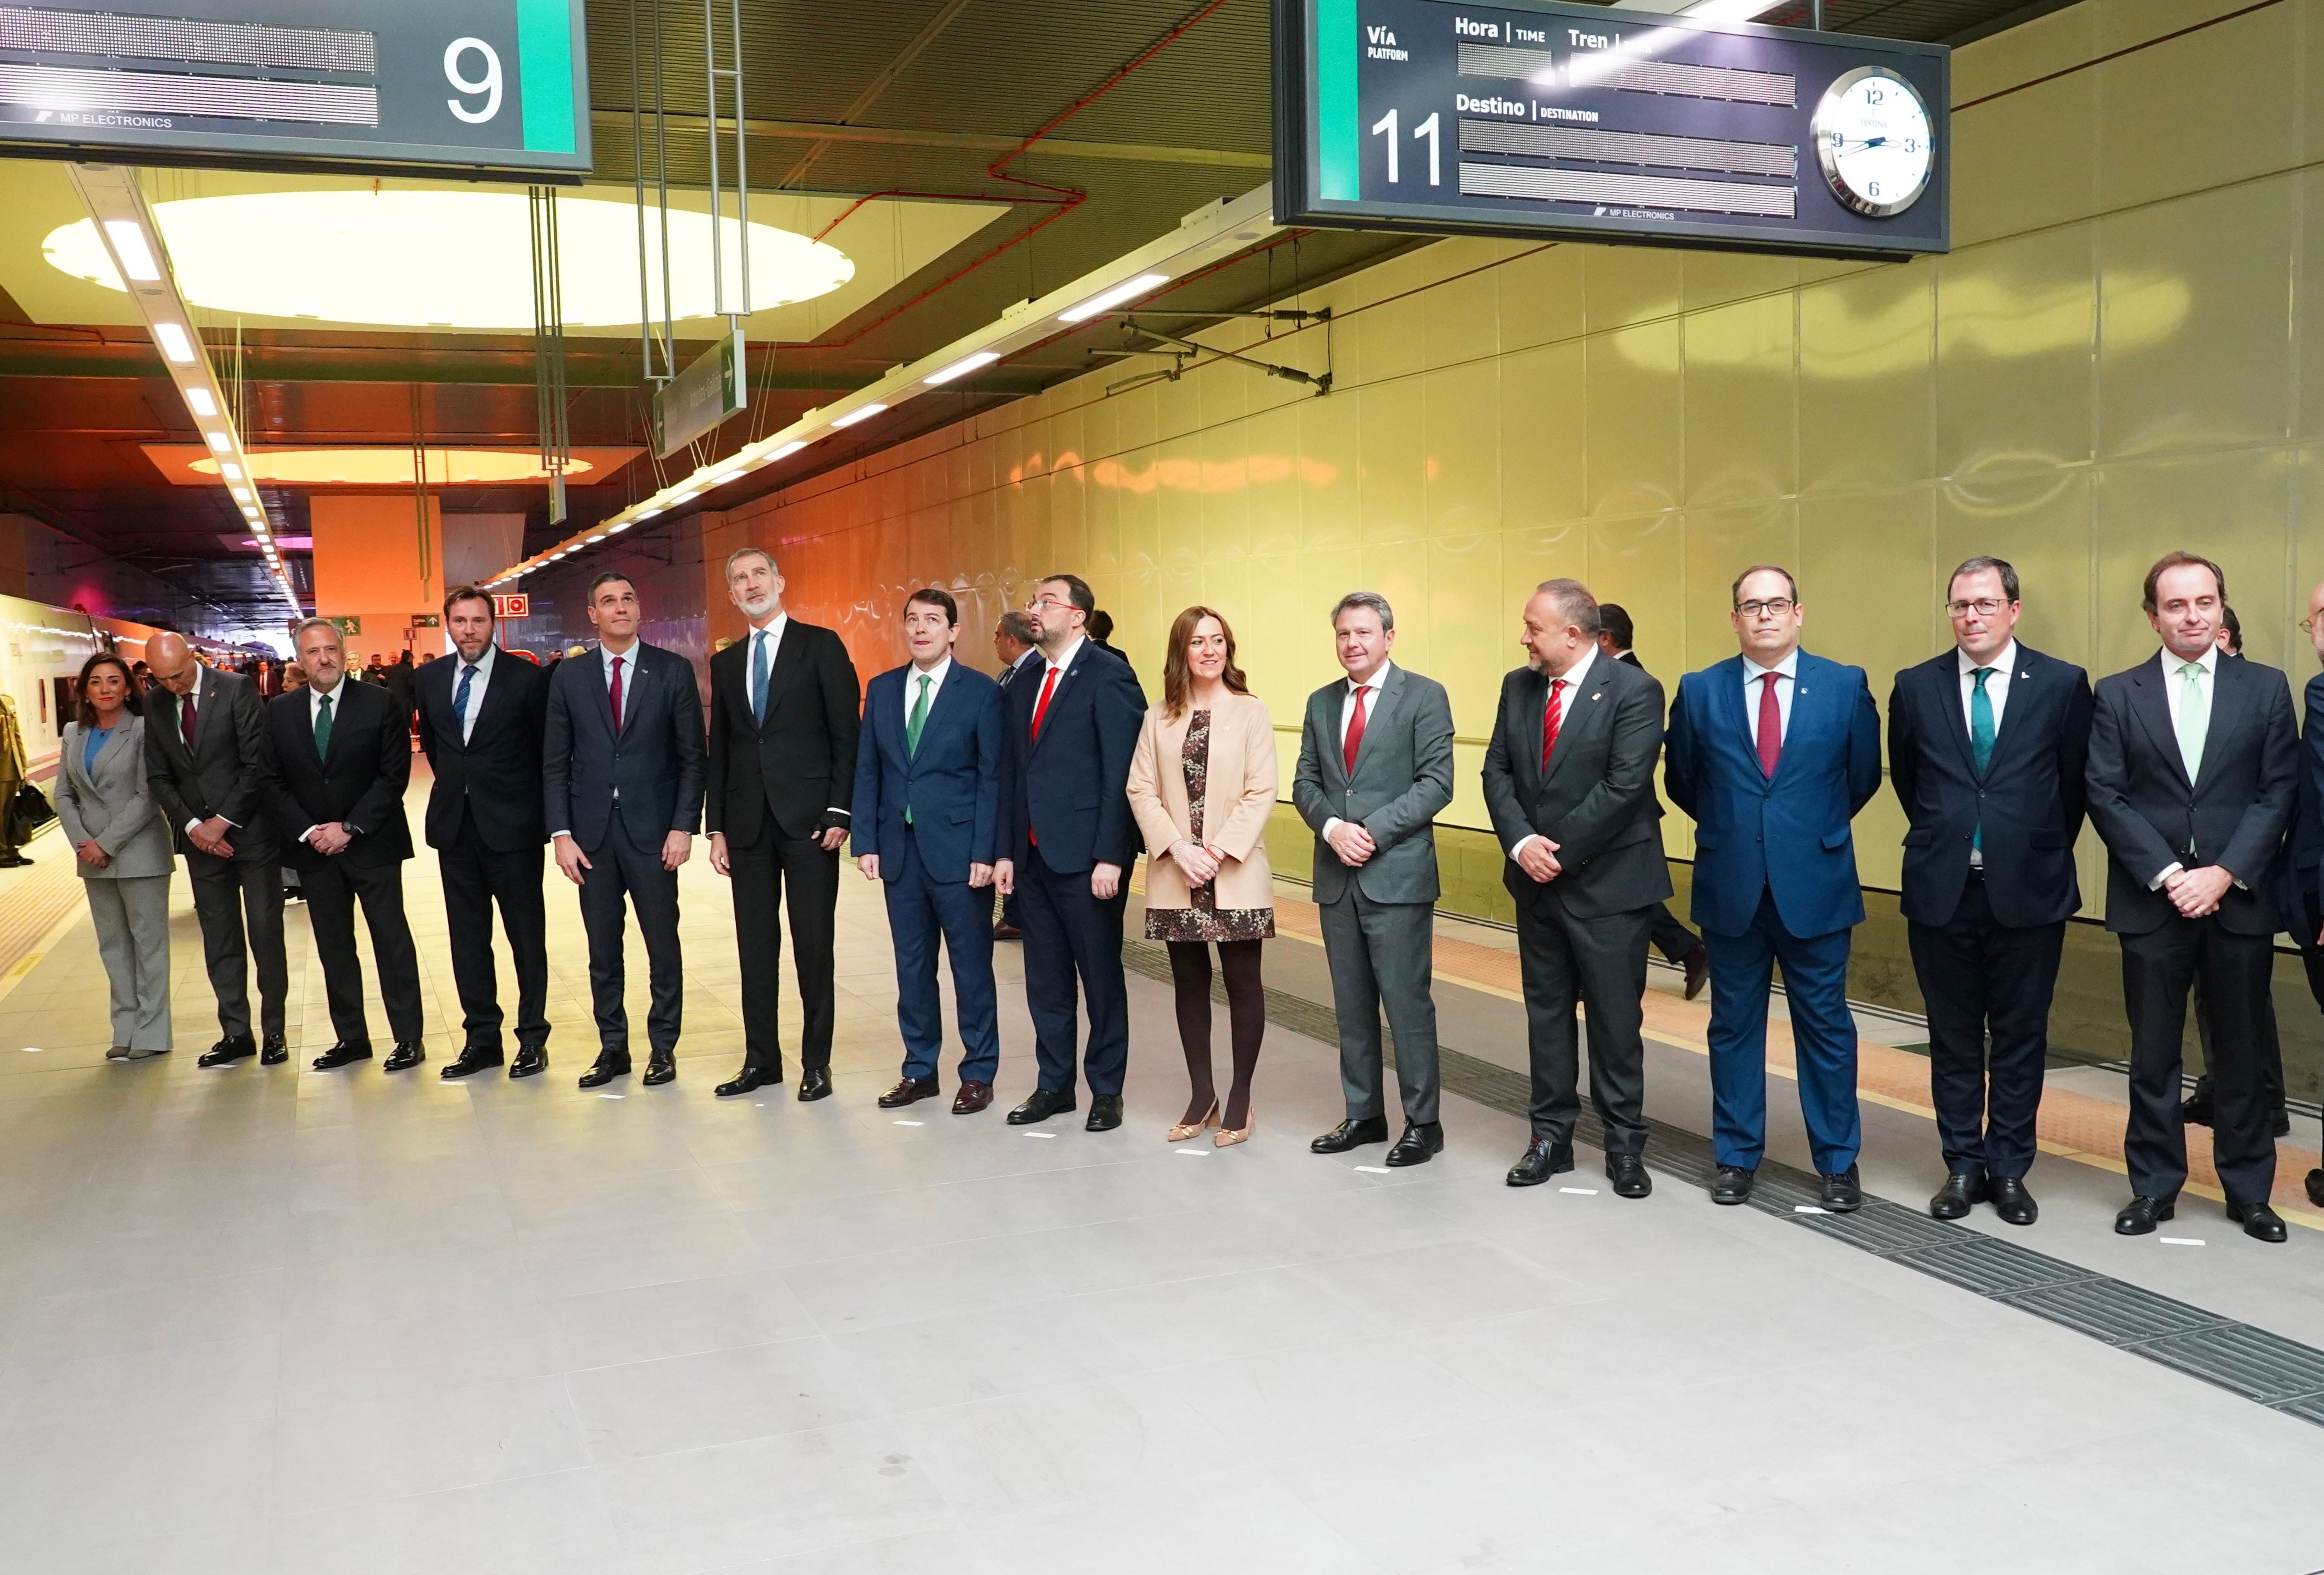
(460, 700)
(759, 676)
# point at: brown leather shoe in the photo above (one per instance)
(1698, 970)
(1006, 933)
(908, 1090)
(972, 1097)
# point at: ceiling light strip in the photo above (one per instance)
(1203, 237)
(116, 202)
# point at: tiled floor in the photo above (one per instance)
(272, 1320)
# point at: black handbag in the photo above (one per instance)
(27, 813)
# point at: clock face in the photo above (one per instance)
(1873, 139)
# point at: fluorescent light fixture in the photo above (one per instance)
(1107, 299)
(173, 341)
(862, 413)
(128, 238)
(785, 452)
(597, 538)
(199, 401)
(241, 494)
(616, 528)
(230, 470)
(963, 366)
(643, 514)
(1730, 10)
(218, 441)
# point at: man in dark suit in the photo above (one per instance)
(620, 762)
(2193, 775)
(1986, 746)
(783, 722)
(207, 762)
(1068, 839)
(1375, 766)
(926, 811)
(1013, 637)
(482, 714)
(1773, 752)
(342, 757)
(1676, 942)
(1570, 784)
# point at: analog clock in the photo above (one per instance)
(1873, 139)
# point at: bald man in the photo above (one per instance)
(208, 766)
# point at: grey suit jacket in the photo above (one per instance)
(1403, 777)
(227, 772)
(110, 805)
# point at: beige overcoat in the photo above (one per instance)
(1237, 797)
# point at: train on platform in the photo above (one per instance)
(41, 649)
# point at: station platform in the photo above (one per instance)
(268, 1320)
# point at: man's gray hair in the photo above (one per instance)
(1573, 603)
(739, 554)
(299, 632)
(1019, 628)
(1366, 598)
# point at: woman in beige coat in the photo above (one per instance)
(1202, 785)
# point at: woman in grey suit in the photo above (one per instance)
(123, 851)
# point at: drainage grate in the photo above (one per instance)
(2281, 1374)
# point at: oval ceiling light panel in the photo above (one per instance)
(443, 259)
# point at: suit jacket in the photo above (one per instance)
(950, 784)
(655, 765)
(1403, 777)
(228, 771)
(2029, 801)
(799, 763)
(496, 772)
(1789, 835)
(1069, 787)
(1597, 801)
(1237, 797)
(2299, 872)
(360, 780)
(2234, 815)
(110, 801)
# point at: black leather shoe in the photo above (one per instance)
(2282, 1125)
(1543, 1158)
(1842, 1194)
(531, 1060)
(342, 1054)
(2196, 1109)
(815, 1083)
(749, 1079)
(274, 1052)
(226, 1051)
(1627, 1171)
(1732, 1185)
(2012, 1201)
(472, 1060)
(1105, 1113)
(2260, 1222)
(662, 1067)
(2315, 1188)
(1422, 1141)
(610, 1065)
(1350, 1134)
(910, 1091)
(1698, 970)
(1044, 1103)
(2140, 1216)
(406, 1055)
(1963, 1191)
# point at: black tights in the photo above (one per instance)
(1190, 971)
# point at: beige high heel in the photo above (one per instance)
(1186, 1129)
(1229, 1137)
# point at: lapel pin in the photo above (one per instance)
(1595, 698)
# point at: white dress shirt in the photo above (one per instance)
(477, 687)
(1348, 688)
(1787, 674)
(1571, 679)
(936, 677)
(2172, 687)
(315, 698)
(771, 638)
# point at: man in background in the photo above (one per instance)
(1013, 639)
(1678, 944)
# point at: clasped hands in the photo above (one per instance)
(2196, 893)
(209, 836)
(1352, 843)
(1537, 857)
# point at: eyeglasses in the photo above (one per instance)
(1039, 603)
(1985, 607)
(1774, 606)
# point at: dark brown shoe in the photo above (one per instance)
(972, 1097)
(1698, 970)
(909, 1091)
(1006, 933)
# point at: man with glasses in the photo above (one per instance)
(1773, 752)
(1067, 840)
(1987, 745)
(2193, 772)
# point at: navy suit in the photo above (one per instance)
(1987, 937)
(1065, 807)
(1775, 882)
(927, 814)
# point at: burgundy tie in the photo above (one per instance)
(186, 719)
(1771, 725)
(617, 694)
(1355, 737)
(1553, 717)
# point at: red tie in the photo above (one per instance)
(186, 719)
(1355, 737)
(617, 694)
(1041, 706)
(1551, 718)
(1771, 725)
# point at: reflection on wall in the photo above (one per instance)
(667, 574)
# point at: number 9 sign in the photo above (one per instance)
(489, 85)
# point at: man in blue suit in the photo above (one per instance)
(925, 822)
(1772, 752)
(1068, 839)
(1986, 746)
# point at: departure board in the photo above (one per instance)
(388, 86)
(1593, 123)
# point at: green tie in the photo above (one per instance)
(2194, 717)
(912, 725)
(1980, 737)
(323, 729)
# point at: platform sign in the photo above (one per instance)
(481, 86)
(517, 604)
(1589, 123)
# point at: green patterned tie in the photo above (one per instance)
(323, 729)
(1980, 738)
(2194, 717)
(912, 725)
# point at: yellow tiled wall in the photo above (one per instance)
(2114, 360)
